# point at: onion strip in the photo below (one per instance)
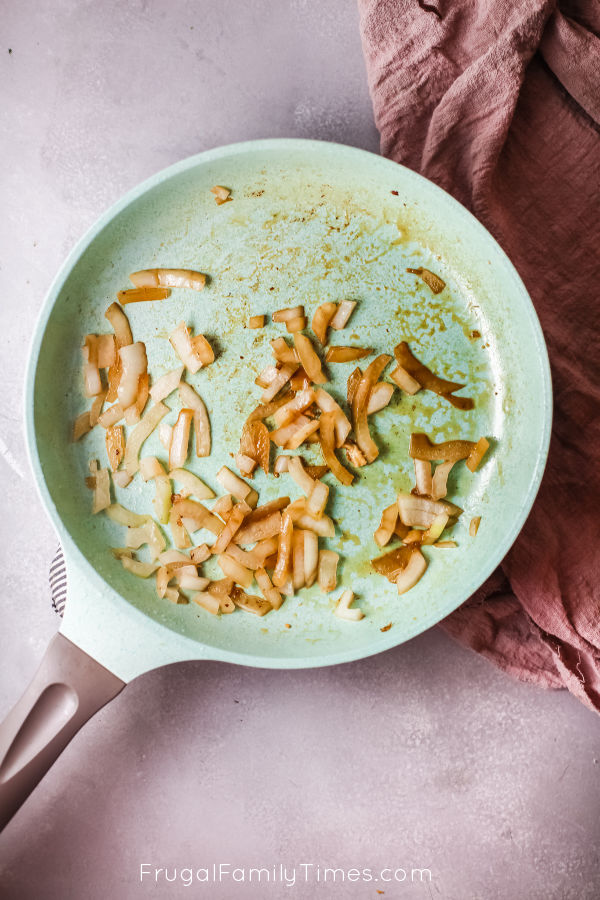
(421, 447)
(309, 359)
(347, 354)
(327, 571)
(177, 278)
(428, 380)
(384, 533)
(326, 440)
(321, 319)
(344, 610)
(360, 404)
(139, 434)
(343, 313)
(139, 295)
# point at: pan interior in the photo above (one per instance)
(308, 222)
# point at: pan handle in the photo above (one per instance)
(66, 691)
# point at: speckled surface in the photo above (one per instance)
(421, 757)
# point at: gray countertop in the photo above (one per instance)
(422, 757)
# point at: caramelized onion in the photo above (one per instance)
(413, 572)
(294, 325)
(256, 322)
(474, 525)
(191, 400)
(141, 295)
(384, 533)
(405, 380)
(290, 312)
(347, 354)
(380, 396)
(327, 571)
(423, 479)
(309, 359)
(421, 447)
(134, 363)
(360, 404)
(392, 563)
(439, 485)
(195, 352)
(139, 434)
(321, 319)
(283, 352)
(166, 384)
(343, 313)
(432, 280)
(477, 454)
(282, 568)
(115, 445)
(427, 379)
(345, 610)
(326, 440)
(255, 443)
(176, 278)
(279, 381)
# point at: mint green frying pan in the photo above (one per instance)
(309, 222)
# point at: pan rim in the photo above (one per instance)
(199, 650)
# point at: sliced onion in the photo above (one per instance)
(294, 325)
(255, 558)
(439, 485)
(435, 529)
(384, 533)
(255, 444)
(354, 455)
(281, 465)
(321, 319)
(162, 499)
(353, 382)
(260, 529)
(345, 610)
(256, 322)
(96, 407)
(233, 524)
(446, 545)
(198, 514)
(423, 479)
(432, 280)
(269, 592)
(124, 516)
(81, 425)
(360, 404)
(151, 468)
(200, 554)
(421, 511)
(91, 372)
(287, 413)
(405, 381)
(101, 488)
(173, 558)
(195, 352)
(298, 559)
(282, 568)
(191, 400)
(415, 536)
(323, 526)
(222, 194)
(221, 590)
(477, 454)
(326, 403)
(302, 432)
(450, 451)
(380, 396)
(122, 478)
(283, 352)
(177, 278)
(327, 572)
(267, 376)
(120, 552)
(237, 487)
(391, 564)
(139, 434)
(311, 557)
(120, 325)
(141, 295)
(474, 525)
(133, 413)
(106, 350)
(233, 569)
(299, 475)
(207, 601)
(179, 533)
(140, 569)
(134, 363)
(326, 440)
(347, 354)
(413, 572)
(223, 506)
(180, 436)
(300, 380)
(111, 415)
(317, 500)
(429, 380)
(279, 381)
(191, 485)
(164, 434)
(317, 472)
(245, 464)
(281, 436)
(343, 313)
(250, 603)
(166, 384)
(148, 533)
(291, 312)
(308, 358)
(115, 445)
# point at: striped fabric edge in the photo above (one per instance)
(57, 577)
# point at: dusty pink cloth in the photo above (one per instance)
(498, 101)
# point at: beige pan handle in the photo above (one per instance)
(68, 689)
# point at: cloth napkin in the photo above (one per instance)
(498, 102)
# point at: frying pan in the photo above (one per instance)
(309, 222)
